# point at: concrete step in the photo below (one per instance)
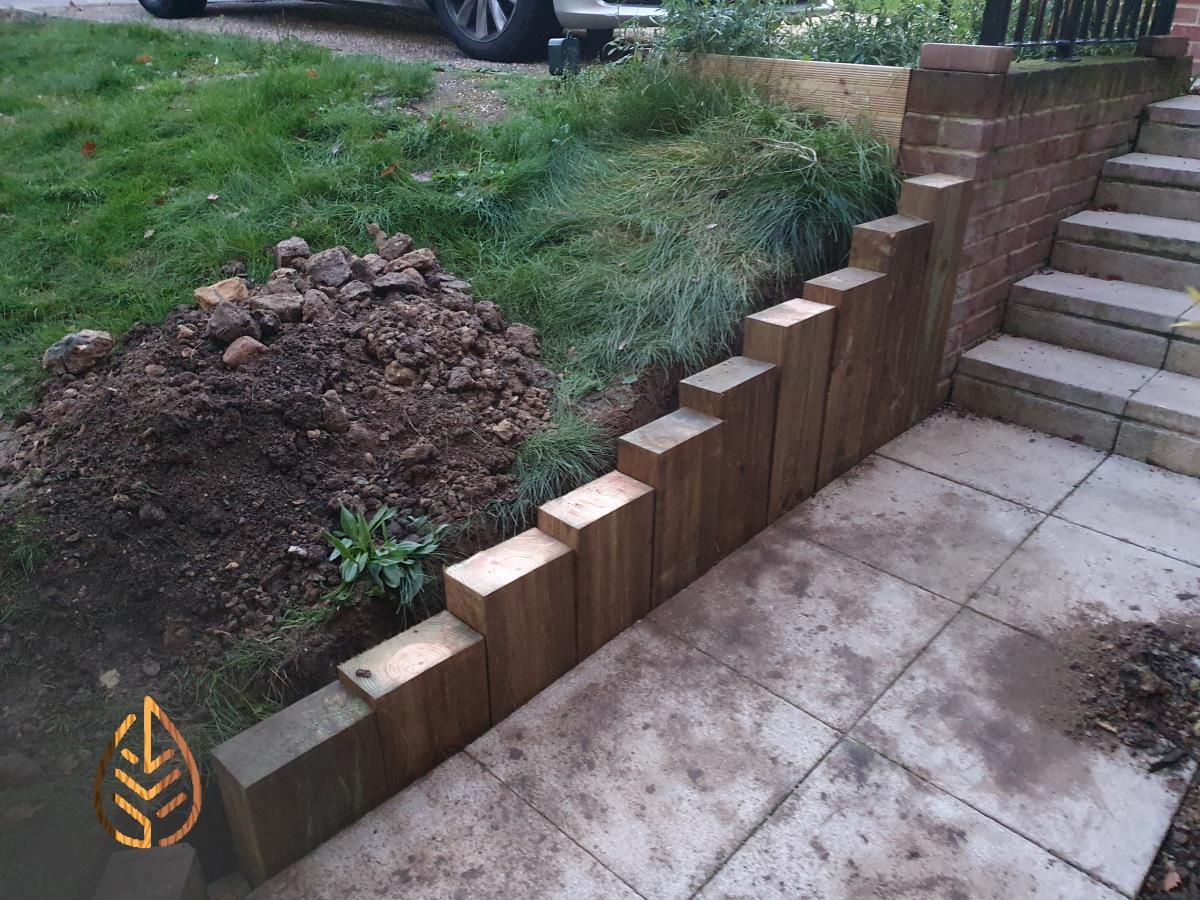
(1152, 168)
(1162, 424)
(1130, 322)
(1118, 246)
(1164, 186)
(1110, 404)
(1169, 140)
(1174, 238)
(1184, 110)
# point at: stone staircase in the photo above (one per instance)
(1089, 351)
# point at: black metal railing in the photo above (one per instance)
(1065, 25)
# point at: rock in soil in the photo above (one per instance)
(185, 485)
(78, 352)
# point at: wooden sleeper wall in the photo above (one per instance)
(822, 383)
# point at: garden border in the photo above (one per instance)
(830, 377)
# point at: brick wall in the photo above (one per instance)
(1034, 140)
(1187, 24)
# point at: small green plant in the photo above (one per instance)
(367, 548)
(734, 27)
(882, 33)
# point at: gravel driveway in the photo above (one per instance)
(390, 33)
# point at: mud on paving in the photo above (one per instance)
(174, 494)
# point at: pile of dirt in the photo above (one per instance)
(1144, 693)
(182, 485)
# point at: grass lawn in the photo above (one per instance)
(633, 214)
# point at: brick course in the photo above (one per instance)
(1187, 24)
(1034, 140)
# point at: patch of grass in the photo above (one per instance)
(23, 547)
(571, 452)
(247, 685)
(112, 140)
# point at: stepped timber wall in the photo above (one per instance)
(823, 381)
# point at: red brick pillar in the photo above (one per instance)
(1187, 24)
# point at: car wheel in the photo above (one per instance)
(499, 30)
(173, 9)
(595, 44)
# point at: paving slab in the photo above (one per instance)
(456, 832)
(1066, 577)
(1010, 461)
(814, 626)
(977, 715)
(935, 533)
(655, 758)
(1142, 504)
(860, 826)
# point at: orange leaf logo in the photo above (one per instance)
(156, 794)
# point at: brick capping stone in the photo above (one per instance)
(1033, 140)
(1162, 46)
(966, 58)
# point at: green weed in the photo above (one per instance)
(365, 550)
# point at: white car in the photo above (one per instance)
(498, 30)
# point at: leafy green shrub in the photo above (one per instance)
(733, 27)
(883, 35)
(367, 548)
(883, 32)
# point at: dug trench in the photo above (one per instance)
(166, 504)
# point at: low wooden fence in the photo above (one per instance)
(823, 381)
(871, 96)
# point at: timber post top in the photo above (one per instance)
(291, 732)
(669, 431)
(596, 499)
(497, 567)
(727, 375)
(789, 312)
(400, 658)
(846, 279)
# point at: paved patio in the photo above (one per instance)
(852, 705)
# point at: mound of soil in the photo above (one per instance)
(183, 484)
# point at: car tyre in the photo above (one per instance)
(499, 30)
(173, 9)
(594, 44)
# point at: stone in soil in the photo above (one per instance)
(78, 352)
